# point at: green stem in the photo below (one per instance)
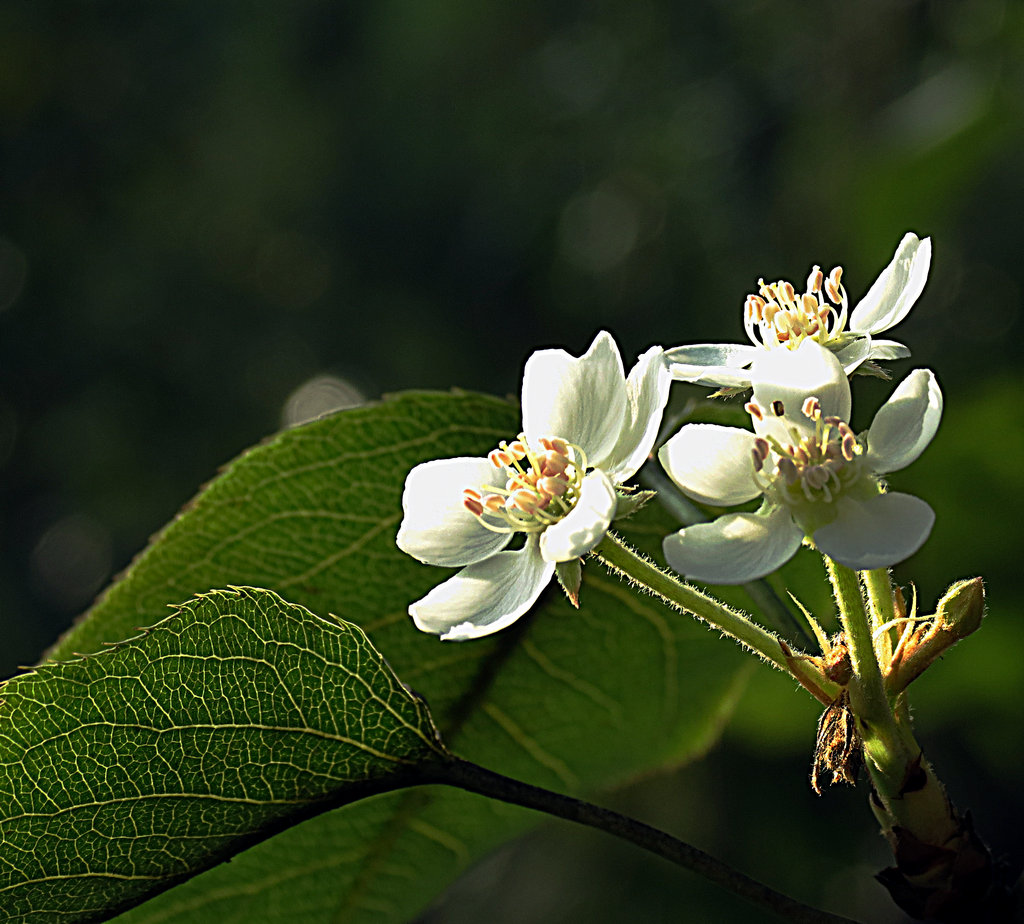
(881, 613)
(884, 748)
(476, 779)
(881, 606)
(622, 559)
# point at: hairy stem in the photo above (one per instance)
(627, 562)
(881, 610)
(885, 750)
(472, 778)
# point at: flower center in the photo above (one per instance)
(533, 489)
(808, 473)
(781, 317)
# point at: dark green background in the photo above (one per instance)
(204, 207)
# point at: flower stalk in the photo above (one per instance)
(640, 571)
(885, 750)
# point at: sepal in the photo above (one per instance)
(632, 501)
(570, 576)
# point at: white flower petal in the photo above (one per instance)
(584, 526)
(580, 399)
(436, 527)
(484, 597)
(721, 364)
(735, 548)
(712, 464)
(792, 376)
(897, 288)
(647, 388)
(905, 424)
(876, 533)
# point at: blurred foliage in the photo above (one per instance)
(218, 219)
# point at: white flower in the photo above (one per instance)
(780, 317)
(817, 478)
(586, 430)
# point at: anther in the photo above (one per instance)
(552, 463)
(525, 500)
(472, 505)
(553, 487)
(778, 408)
(815, 279)
(817, 476)
(849, 445)
(754, 410)
(812, 408)
(832, 286)
(555, 444)
(499, 458)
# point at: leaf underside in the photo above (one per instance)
(134, 767)
(576, 700)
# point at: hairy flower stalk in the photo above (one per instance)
(644, 574)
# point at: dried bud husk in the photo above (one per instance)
(836, 662)
(837, 751)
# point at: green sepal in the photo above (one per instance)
(570, 576)
(632, 501)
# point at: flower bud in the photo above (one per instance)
(962, 606)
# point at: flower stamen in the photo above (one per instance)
(811, 468)
(778, 316)
(539, 487)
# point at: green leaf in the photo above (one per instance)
(575, 700)
(241, 714)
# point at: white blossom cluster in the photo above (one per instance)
(549, 496)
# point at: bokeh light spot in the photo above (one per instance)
(71, 561)
(318, 396)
